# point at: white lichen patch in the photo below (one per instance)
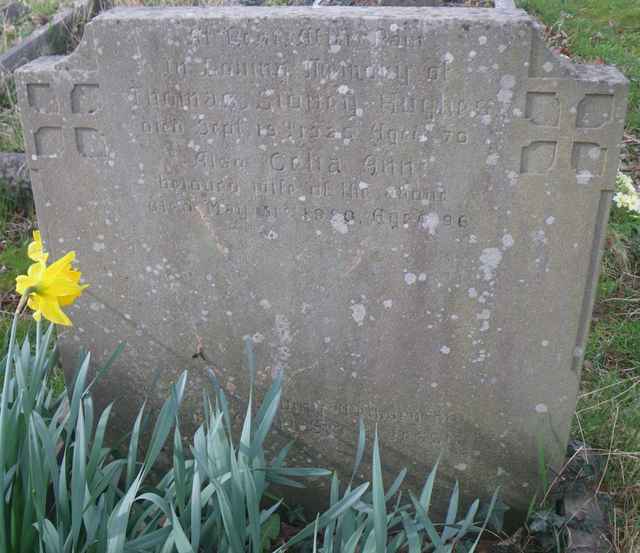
(507, 241)
(265, 304)
(358, 313)
(583, 178)
(492, 160)
(445, 350)
(489, 261)
(541, 408)
(339, 224)
(484, 315)
(550, 220)
(388, 304)
(460, 466)
(505, 94)
(431, 222)
(410, 278)
(448, 58)
(282, 330)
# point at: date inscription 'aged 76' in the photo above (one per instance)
(402, 208)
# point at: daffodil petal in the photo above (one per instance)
(32, 279)
(62, 264)
(36, 270)
(22, 283)
(51, 311)
(68, 300)
(35, 249)
(58, 287)
(33, 303)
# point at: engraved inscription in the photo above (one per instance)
(331, 136)
(327, 418)
(209, 35)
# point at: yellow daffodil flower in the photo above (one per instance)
(35, 250)
(51, 288)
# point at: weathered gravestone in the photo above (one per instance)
(404, 209)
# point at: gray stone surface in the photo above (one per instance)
(404, 208)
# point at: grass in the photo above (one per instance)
(608, 413)
(39, 13)
(15, 225)
(11, 139)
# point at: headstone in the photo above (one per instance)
(402, 207)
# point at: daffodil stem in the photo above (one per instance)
(4, 406)
(38, 332)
